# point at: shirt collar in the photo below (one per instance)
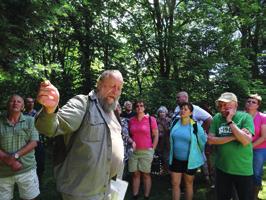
(21, 119)
(93, 95)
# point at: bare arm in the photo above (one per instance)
(219, 140)
(206, 124)
(3, 154)
(244, 137)
(10, 161)
(21, 152)
(155, 137)
(27, 148)
(130, 141)
(262, 138)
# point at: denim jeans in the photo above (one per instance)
(259, 158)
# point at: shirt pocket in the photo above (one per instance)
(96, 129)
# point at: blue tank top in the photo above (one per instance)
(181, 142)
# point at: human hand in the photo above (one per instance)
(245, 130)
(134, 145)
(16, 166)
(12, 163)
(48, 96)
(211, 139)
(230, 113)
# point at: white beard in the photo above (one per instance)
(107, 107)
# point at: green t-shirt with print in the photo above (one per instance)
(233, 157)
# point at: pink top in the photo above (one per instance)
(140, 131)
(259, 120)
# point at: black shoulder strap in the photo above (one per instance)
(175, 115)
(195, 131)
(174, 122)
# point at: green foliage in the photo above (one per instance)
(203, 47)
(42, 72)
(18, 20)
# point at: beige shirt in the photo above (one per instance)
(117, 143)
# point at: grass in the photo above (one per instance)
(262, 193)
(161, 188)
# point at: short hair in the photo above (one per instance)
(26, 99)
(137, 102)
(106, 74)
(127, 102)
(255, 96)
(188, 104)
(15, 95)
(162, 109)
(182, 93)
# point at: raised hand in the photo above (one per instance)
(48, 96)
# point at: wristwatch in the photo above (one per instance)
(228, 123)
(16, 156)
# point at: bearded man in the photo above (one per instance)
(95, 155)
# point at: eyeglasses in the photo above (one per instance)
(139, 105)
(253, 102)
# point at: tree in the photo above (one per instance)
(161, 47)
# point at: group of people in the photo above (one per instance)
(96, 154)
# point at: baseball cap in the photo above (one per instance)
(227, 97)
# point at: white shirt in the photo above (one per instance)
(198, 115)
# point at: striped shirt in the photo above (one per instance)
(13, 138)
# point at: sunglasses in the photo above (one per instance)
(253, 102)
(139, 105)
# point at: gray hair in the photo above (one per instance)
(15, 95)
(126, 103)
(162, 109)
(106, 74)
